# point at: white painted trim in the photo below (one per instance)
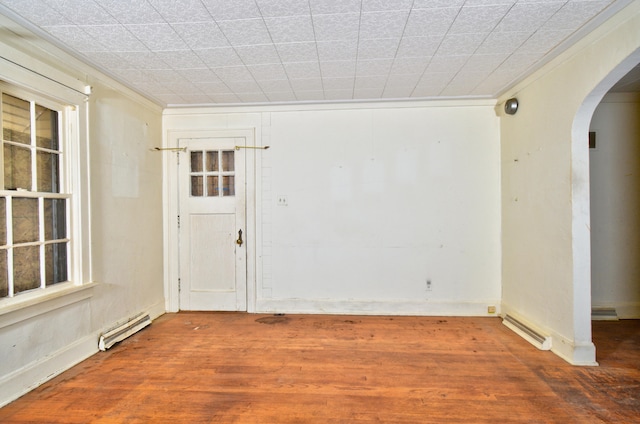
(50, 83)
(624, 310)
(27, 378)
(574, 353)
(22, 381)
(544, 344)
(171, 205)
(620, 97)
(15, 62)
(215, 109)
(28, 305)
(377, 307)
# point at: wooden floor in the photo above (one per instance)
(243, 368)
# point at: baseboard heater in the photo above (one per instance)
(123, 331)
(527, 333)
(604, 314)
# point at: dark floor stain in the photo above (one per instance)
(277, 319)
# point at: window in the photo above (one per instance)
(34, 236)
(212, 173)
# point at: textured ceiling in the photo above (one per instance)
(187, 52)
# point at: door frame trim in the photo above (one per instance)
(171, 204)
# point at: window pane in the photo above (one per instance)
(55, 256)
(196, 161)
(3, 221)
(17, 167)
(46, 128)
(4, 281)
(212, 186)
(227, 161)
(48, 172)
(16, 119)
(228, 186)
(55, 219)
(196, 186)
(26, 268)
(212, 161)
(25, 220)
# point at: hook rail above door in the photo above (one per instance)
(252, 147)
(169, 149)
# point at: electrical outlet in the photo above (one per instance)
(491, 309)
(282, 200)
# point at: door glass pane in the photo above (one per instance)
(212, 186)
(46, 128)
(212, 161)
(16, 119)
(196, 186)
(55, 219)
(55, 257)
(25, 220)
(48, 172)
(4, 280)
(227, 161)
(17, 167)
(228, 186)
(196, 161)
(26, 268)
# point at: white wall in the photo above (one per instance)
(545, 185)
(615, 205)
(379, 200)
(121, 185)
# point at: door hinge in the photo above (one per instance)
(178, 221)
(179, 285)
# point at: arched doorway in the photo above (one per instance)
(581, 198)
(615, 201)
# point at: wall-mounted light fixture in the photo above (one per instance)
(511, 106)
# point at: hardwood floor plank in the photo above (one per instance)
(242, 368)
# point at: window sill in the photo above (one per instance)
(29, 305)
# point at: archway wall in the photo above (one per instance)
(545, 185)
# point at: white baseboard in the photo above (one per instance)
(624, 310)
(573, 353)
(376, 307)
(29, 377)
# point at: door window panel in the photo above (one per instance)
(218, 172)
(212, 186)
(196, 186)
(228, 186)
(212, 161)
(196, 162)
(228, 163)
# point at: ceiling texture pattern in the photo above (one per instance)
(201, 52)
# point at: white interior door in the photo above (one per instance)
(212, 230)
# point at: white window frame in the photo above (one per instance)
(72, 106)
